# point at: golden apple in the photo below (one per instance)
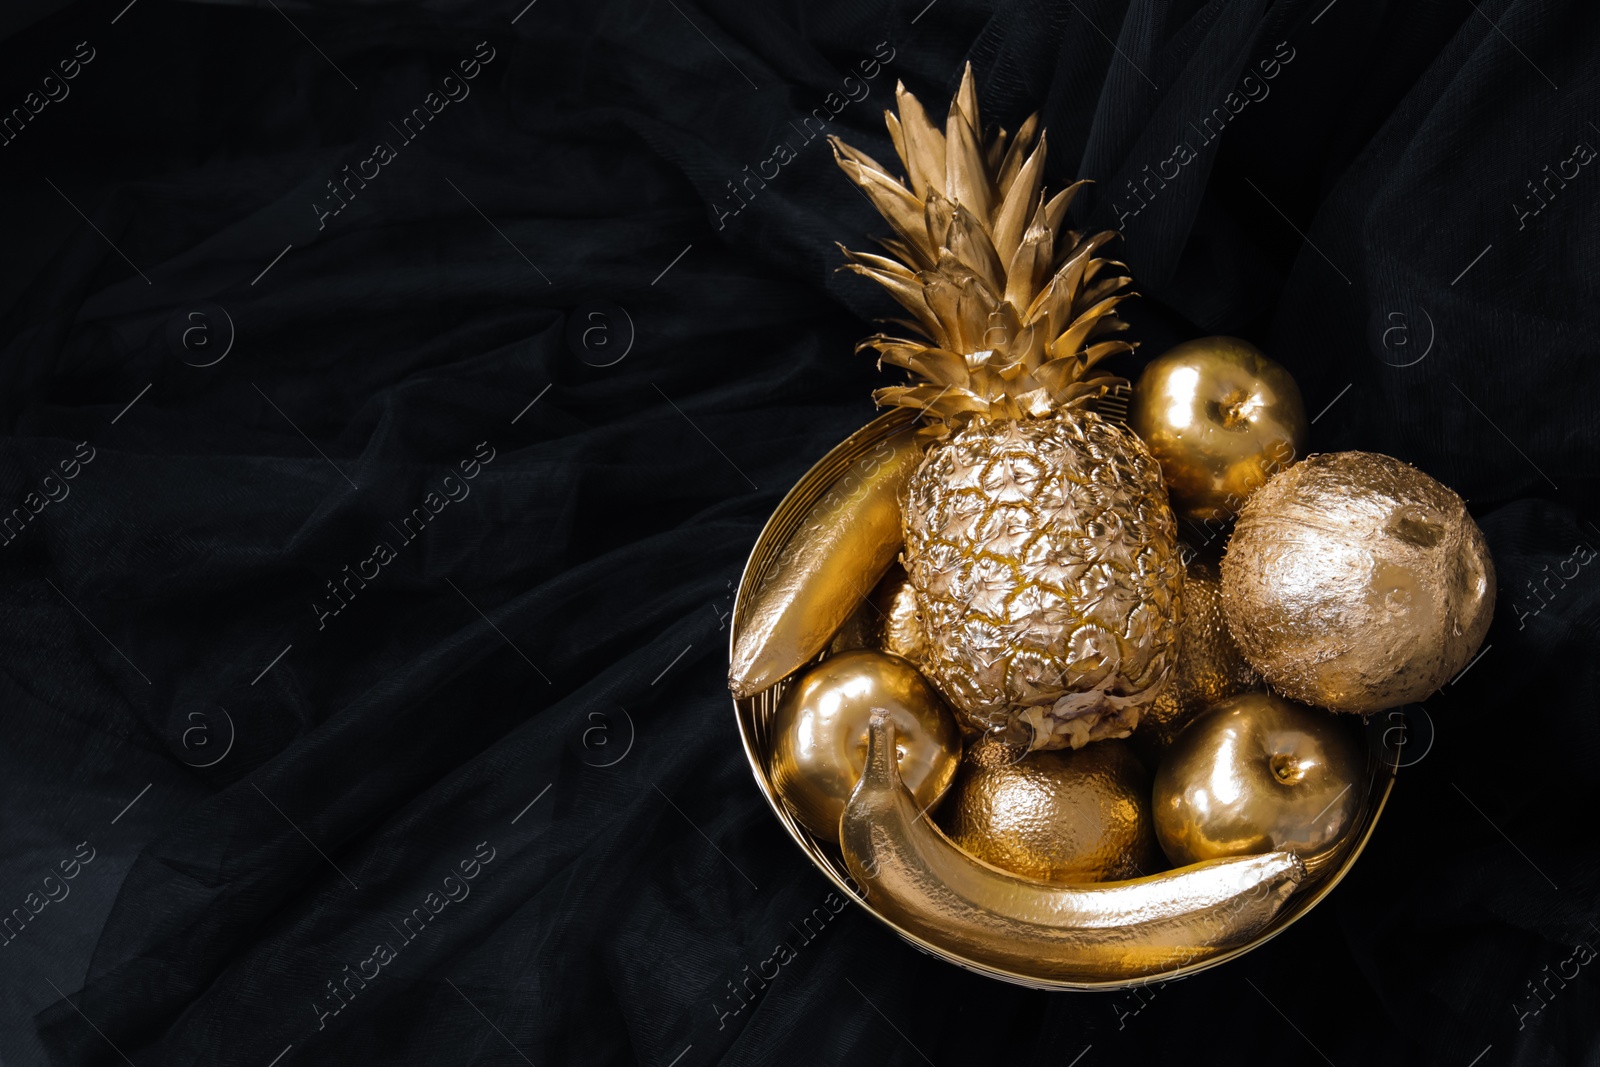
(820, 735)
(1257, 774)
(1220, 418)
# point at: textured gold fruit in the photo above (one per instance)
(1038, 535)
(826, 568)
(1064, 817)
(914, 876)
(886, 620)
(1210, 666)
(820, 735)
(1220, 418)
(1355, 582)
(902, 622)
(1258, 774)
(1046, 567)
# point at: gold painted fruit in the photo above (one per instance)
(1355, 582)
(820, 735)
(1257, 774)
(1220, 418)
(1102, 934)
(1038, 536)
(1061, 816)
(886, 620)
(1045, 562)
(838, 551)
(1210, 666)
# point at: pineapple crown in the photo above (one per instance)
(1006, 301)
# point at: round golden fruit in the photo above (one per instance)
(1220, 418)
(1210, 666)
(887, 619)
(1063, 815)
(1257, 774)
(820, 735)
(1355, 582)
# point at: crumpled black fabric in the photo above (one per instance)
(376, 661)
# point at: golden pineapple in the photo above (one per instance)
(1038, 537)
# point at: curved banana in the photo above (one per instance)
(826, 568)
(915, 877)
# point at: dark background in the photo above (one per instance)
(266, 792)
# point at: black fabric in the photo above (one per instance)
(255, 778)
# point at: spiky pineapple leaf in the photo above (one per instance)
(1016, 152)
(1008, 300)
(924, 145)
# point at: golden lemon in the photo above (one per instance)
(820, 735)
(1064, 816)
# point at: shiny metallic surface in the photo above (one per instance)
(1068, 816)
(886, 620)
(1210, 666)
(902, 623)
(1045, 562)
(1258, 774)
(920, 880)
(755, 718)
(1220, 418)
(832, 558)
(1355, 582)
(820, 735)
(1037, 534)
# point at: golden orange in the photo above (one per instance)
(1063, 816)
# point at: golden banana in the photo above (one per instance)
(918, 879)
(826, 568)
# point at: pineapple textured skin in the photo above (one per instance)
(1038, 538)
(1045, 561)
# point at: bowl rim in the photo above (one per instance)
(1382, 773)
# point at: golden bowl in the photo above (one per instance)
(756, 715)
